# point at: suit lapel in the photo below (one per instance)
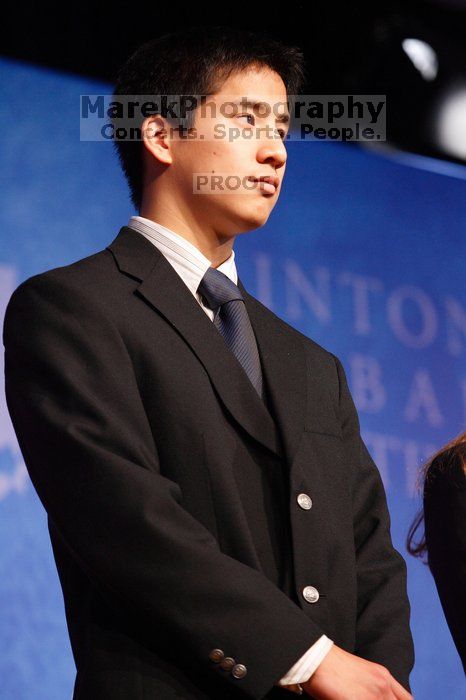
(162, 287)
(284, 365)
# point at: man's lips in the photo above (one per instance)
(267, 183)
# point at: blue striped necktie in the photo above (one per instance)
(231, 318)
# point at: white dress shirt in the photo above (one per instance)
(191, 265)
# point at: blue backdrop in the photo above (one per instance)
(365, 253)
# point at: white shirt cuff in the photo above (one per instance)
(303, 669)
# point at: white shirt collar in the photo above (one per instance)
(185, 258)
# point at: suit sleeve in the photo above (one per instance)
(87, 443)
(382, 628)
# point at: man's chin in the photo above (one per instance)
(246, 226)
(254, 218)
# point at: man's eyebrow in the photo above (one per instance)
(257, 104)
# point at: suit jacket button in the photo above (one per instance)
(239, 671)
(227, 663)
(304, 501)
(216, 655)
(311, 594)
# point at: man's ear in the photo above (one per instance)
(156, 138)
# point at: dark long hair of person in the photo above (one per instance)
(440, 464)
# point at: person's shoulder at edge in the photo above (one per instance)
(447, 472)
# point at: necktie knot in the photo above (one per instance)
(216, 289)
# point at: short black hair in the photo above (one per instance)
(197, 61)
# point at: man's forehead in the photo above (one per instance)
(260, 90)
(262, 103)
(261, 106)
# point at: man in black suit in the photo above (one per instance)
(219, 528)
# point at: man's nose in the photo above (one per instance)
(272, 149)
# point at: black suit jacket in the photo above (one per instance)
(140, 431)
(445, 528)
